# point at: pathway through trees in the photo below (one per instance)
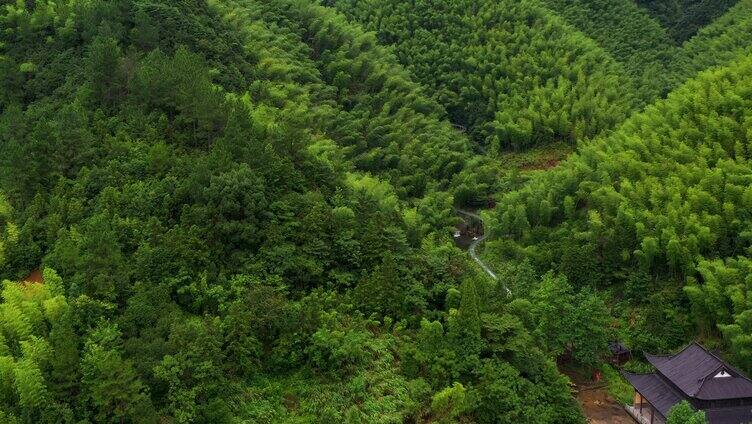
(474, 227)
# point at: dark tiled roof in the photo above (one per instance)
(661, 395)
(693, 369)
(737, 415)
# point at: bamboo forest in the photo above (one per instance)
(376, 211)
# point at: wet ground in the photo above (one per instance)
(462, 237)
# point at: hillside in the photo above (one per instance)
(341, 211)
(719, 43)
(658, 206)
(636, 40)
(683, 18)
(239, 213)
(512, 73)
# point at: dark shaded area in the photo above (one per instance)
(683, 18)
(34, 277)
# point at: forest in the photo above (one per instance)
(250, 211)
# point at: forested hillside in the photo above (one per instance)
(656, 214)
(629, 34)
(719, 43)
(264, 211)
(511, 72)
(239, 214)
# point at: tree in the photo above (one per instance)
(193, 372)
(683, 413)
(390, 291)
(103, 64)
(448, 404)
(568, 322)
(496, 394)
(553, 308)
(591, 328)
(8, 230)
(465, 324)
(109, 383)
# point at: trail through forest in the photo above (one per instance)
(286, 194)
(472, 250)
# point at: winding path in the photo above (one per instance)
(472, 250)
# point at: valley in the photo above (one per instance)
(372, 211)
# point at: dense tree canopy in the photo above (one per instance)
(650, 205)
(223, 211)
(717, 44)
(511, 73)
(244, 204)
(629, 34)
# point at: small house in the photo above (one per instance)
(620, 354)
(698, 376)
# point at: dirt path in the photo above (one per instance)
(601, 408)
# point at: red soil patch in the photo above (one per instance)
(34, 277)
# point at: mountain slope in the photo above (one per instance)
(639, 212)
(683, 18)
(724, 40)
(238, 211)
(511, 73)
(628, 33)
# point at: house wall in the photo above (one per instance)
(724, 403)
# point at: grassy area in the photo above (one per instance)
(617, 386)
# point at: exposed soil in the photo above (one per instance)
(601, 408)
(597, 404)
(34, 277)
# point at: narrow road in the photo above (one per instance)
(472, 250)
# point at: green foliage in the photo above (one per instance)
(629, 34)
(394, 129)
(720, 43)
(568, 322)
(657, 203)
(246, 203)
(249, 206)
(511, 73)
(8, 230)
(192, 371)
(500, 399)
(32, 355)
(449, 403)
(617, 385)
(683, 413)
(109, 384)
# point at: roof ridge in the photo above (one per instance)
(704, 380)
(725, 364)
(677, 353)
